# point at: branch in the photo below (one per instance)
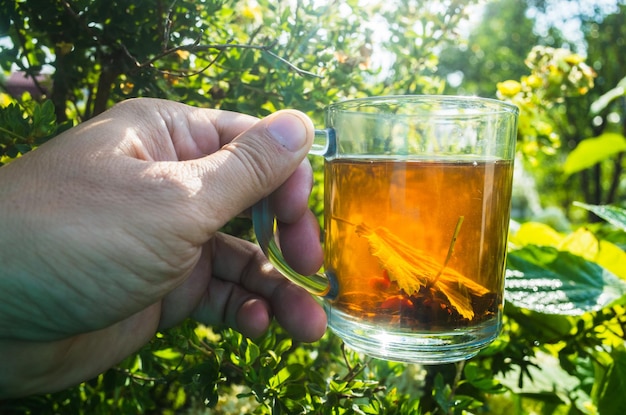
(193, 73)
(196, 47)
(138, 377)
(19, 32)
(292, 66)
(168, 24)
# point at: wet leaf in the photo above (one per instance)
(612, 214)
(549, 281)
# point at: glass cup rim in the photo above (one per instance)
(477, 105)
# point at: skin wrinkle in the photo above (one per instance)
(60, 270)
(183, 152)
(74, 311)
(253, 163)
(18, 307)
(62, 281)
(168, 123)
(183, 130)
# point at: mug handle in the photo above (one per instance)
(264, 223)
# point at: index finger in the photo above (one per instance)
(169, 131)
(205, 130)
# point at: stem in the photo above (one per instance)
(457, 377)
(352, 371)
(457, 229)
(135, 376)
(615, 181)
(12, 134)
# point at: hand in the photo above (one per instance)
(109, 232)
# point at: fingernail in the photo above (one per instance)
(289, 131)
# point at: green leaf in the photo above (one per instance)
(443, 394)
(283, 346)
(293, 372)
(593, 150)
(612, 400)
(482, 378)
(549, 281)
(168, 354)
(612, 214)
(251, 353)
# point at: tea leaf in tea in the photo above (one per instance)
(413, 269)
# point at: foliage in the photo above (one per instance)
(561, 350)
(554, 75)
(497, 55)
(494, 51)
(23, 128)
(566, 299)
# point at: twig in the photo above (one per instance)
(195, 46)
(168, 25)
(183, 74)
(352, 371)
(457, 377)
(142, 378)
(292, 66)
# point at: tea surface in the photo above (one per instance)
(418, 244)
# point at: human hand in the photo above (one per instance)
(109, 233)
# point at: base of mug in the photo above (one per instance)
(427, 347)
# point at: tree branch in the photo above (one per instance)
(196, 47)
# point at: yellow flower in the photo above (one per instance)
(509, 88)
(206, 333)
(183, 54)
(251, 13)
(574, 59)
(127, 87)
(533, 81)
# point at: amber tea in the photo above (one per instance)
(423, 241)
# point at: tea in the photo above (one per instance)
(417, 244)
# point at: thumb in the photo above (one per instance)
(254, 164)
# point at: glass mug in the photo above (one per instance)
(417, 198)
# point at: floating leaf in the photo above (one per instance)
(612, 214)
(413, 269)
(549, 281)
